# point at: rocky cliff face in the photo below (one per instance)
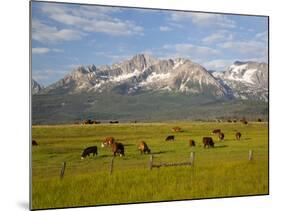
(247, 80)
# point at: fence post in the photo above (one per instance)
(250, 155)
(150, 164)
(192, 157)
(111, 165)
(62, 170)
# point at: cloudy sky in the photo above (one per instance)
(67, 35)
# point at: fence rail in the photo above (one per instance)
(188, 163)
(151, 163)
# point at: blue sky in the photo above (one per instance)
(67, 35)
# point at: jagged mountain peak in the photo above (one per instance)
(143, 72)
(35, 86)
(247, 80)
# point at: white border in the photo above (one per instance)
(14, 86)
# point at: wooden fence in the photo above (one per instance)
(152, 165)
(188, 163)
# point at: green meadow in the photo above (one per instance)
(217, 172)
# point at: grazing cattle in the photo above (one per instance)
(88, 121)
(259, 120)
(118, 148)
(88, 151)
(108, 141)
(176, 129)
(238, 135)
(114, 122)
(244, 121)
(234, 120)
(170, 138)
(216, 131)
(191, 143)
(221, 136)
(34, 143)
(208, 142)
(229, 120)
(143, 148)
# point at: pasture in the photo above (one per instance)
(220, 171)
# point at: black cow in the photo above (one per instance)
(34, 143)
(170, 138)
(88, 121)
(208, 142)
(88, 151)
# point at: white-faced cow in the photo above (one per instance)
(221, 136)
(108, 141)
(176, 129)
(118, 148)
(238, 135)
(143, 148)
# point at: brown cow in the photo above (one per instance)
(118, 148)
(208, 142)
(143, 148)
(108, 141)
(259, 120)
(238, 135)
(216, 131)
(176, 129)
(34, 143)
(191, 143)
(221, 136)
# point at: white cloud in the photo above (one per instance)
(221, 35)
(262, 36)
(92, 19)
(45, 33)
(204, 19)
(40, 50)
(45, 50)
(190, 50)
(245, 47)
(217, 64)
(47, 76)
(165, 28)
(113, 56)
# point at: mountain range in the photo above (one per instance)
(146, 76)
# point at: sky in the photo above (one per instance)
(65, 36)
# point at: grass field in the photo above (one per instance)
(217, 172)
